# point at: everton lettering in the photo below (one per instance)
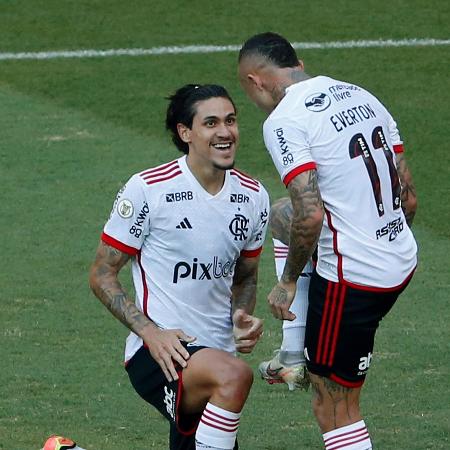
(203, 271)
(352, 116)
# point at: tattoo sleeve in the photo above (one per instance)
(105, 284)
(280, 219)
(306, 223)
(408, 193)
(244, 284)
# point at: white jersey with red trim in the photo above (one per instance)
(349, 137)
(186, 243)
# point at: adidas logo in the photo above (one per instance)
(184, 224)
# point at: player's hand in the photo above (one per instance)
(247, 331)
(166, 349)
(281, 298)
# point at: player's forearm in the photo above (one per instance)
(306, 224)
(244, 296)
(109, 291)
(408, 193)
(104, 282)
(280, 219)
(303, 240)
(244, 286)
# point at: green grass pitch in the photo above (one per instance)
(73, 130)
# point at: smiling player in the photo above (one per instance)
(193, 229)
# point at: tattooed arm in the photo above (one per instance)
(304, 233)
(247, 329)
(105, 284)
(408, 193)
(280, 219)
(164, 345)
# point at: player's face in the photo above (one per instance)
(214, 135)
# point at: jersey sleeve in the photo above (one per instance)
(128, 223)
(395, 136)
(289, 148)
(262, 209)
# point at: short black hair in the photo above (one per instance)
(271, 46)
(182, 109)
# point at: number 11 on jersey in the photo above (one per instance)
(359, 147)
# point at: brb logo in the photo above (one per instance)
(239, 198)
(239, 227)
(203, 271)
(179, 196)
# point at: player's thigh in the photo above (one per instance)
(209, 370)
(150, 383)
(340, 330)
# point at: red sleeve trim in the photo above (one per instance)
(119, 245)
(398, 148)
(297, 171)
(251, 253)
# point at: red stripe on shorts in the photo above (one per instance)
(330, 287)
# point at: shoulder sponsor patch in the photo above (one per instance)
(125, 209)
(317, 102)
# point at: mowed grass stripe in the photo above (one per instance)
(174, 50)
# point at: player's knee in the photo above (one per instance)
(235, 380)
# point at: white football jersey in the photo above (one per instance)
(349, 137)
(185, 243)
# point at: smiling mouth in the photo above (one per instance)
(223, 145)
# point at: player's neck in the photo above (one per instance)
(290, 76)
(282, 79)
(210, 178)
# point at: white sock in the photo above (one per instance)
(350, 437)
(217, 429)
(294, 331)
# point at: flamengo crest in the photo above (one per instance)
(239, 227)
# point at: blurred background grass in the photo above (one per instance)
(74, 130)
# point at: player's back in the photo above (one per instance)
(350, 137)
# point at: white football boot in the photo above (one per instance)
(280, 370)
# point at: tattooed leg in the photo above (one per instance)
(334, 405)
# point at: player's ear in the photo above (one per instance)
(254, 80)
(301, 64)
(184, 132)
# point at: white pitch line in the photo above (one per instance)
(92, 53)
